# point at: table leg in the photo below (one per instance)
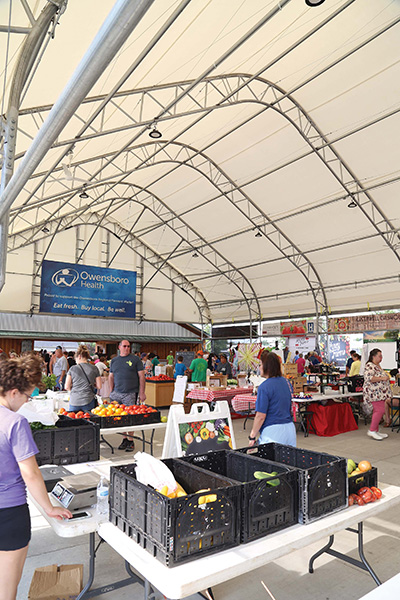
(92, 559)
(104, 441)
(361, 564)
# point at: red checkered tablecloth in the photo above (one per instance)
(212, 395)
(244, 402)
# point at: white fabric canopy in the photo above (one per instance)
(240, 209)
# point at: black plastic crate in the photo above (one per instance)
(368, 479)
(265, 507)
(180, 529)
(323, 480)
(126, 420)
(72, 441)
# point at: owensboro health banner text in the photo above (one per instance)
(82, 290)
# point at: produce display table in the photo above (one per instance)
(132, 429)
(211, 395)
(159, 393)
(332, 419)
(302, 409)
(186, 579)
(190, 578)
(244, 403)
(389, 589)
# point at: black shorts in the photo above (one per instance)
(15, 527)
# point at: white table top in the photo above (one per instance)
(319, 397)
(389, 589)
(123, 428)
(189, 578)
(69, 529)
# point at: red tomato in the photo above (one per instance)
(362, 490)
(374, 497)
(359, 500)
(286, 331)
(351, 500)
(71, 415)
(366, 496)
(377, 492)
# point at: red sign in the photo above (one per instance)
(293, 327)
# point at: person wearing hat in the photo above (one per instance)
(198, 368)
(59, 367)
(170, 358)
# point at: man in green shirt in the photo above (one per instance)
(170, 358)
(198, 368)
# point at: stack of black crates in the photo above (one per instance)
(236, 506)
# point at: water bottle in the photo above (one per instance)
(102, 496)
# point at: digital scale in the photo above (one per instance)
(77, 491)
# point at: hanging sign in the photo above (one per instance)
(294, 327)
(271, 329)
(84, 290)
(359, 324)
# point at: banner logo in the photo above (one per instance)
(65, 277)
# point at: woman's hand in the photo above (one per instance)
(252, 443)
(59, 513)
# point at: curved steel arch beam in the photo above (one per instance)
(161, 211)
(19, 240)
(246, 88)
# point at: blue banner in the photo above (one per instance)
(82, 290)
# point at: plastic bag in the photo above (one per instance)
(32, 411)
(151, 471)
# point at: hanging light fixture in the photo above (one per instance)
(83, 194)
(195, 255)
(258, 234)
(314, 2)
(352, 204)
(154, 133)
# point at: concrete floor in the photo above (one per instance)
(287, 578)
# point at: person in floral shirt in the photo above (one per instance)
(377, 391)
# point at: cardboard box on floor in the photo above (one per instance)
(54, 582)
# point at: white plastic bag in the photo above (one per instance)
(31, 412)
(151, 471)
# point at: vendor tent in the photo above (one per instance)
(242, 156)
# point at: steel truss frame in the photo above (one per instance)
(75, 219)
(234, 89)
(301, 121)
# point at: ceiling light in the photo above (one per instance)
(45, 230)
(258, 234)
(195, 255)
(154, 133)
(83, 195)
(352, 204)
(314, 2)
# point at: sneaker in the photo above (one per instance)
(375, 435)
(383, 435)
(130, 447)
(124, 444)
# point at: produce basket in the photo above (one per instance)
(323, 480)
(180, 529)
(126, 420)
(269, 504)
(367, 479)
(71, 441)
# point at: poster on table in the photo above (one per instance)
(85, 290)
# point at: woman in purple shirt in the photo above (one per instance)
(18, 470)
